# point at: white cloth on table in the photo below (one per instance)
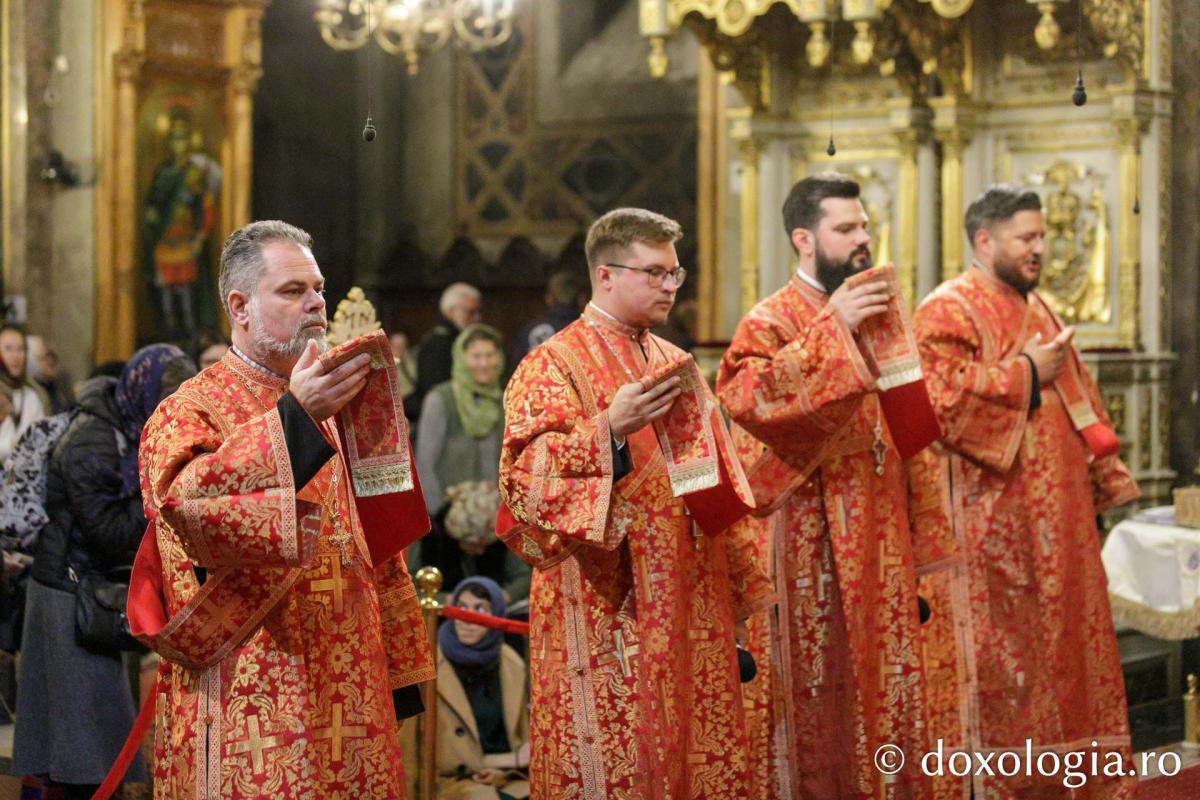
(1153, 573)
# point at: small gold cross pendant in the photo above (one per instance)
(341, 538)
(880, 450)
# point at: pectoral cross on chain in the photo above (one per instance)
(879, 448)
(340, 536)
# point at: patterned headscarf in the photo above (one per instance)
(478, 404)
(487, 649)
(137, 394)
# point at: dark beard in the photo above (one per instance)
(1012, 276)
(833, 274)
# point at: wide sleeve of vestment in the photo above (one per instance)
(556, 461)
(983, 406)
(795, 392)
(231, 499)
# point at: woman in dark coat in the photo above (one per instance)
(75, 704)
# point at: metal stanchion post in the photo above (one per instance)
(429, 582)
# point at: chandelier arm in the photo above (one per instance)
(343, 42)
(411, 28)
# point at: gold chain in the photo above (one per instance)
(612, 350)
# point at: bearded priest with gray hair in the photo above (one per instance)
(280, 487)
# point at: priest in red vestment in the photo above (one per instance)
(832, 422)
(620, 484)
(1032, 459)
(289, 627)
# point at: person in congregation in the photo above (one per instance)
(43, 369)
(26, 405)
(210, 348)
(566, 295)
(457, 454)
(1031, 460)
(847, 513)
(406, 362)
(483, 703)
(75, 699)
(620, 484)
(461, 305)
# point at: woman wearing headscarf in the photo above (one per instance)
(483, 704)
(458, 457)
(26, 405)
(76, 703)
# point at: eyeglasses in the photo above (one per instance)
(656, 275)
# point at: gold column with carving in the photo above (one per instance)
(710, 200)
(116, 268)
(953, 124)
(909, 125)
(953, 143)
(243, 35)
(121, 76)
(13, 143)
(750, 150)
(907, 217)
(953, 127)
(1129, 245)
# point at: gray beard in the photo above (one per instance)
(267, 348)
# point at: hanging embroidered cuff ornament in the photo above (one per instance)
(698, 451)
(374, 437)
(1101, 440)
(700, 460)
(890, 349)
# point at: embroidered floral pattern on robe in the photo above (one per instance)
(299, 704)
(839, 658)
(634, 679)
(1029, 651)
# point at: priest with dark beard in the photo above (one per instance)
(1031, 459)
(850, 510)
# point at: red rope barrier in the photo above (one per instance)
(486, 620)
(133, 743)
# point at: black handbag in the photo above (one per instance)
(100, 621)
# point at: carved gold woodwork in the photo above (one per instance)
(1121, 25)
(954, 125)
(750, 150)
(712, 184)
(909, 38)
(355, 316)
(876, 194)
(1047, 32)
(905, 38)
(1115, 404)
(1077, 263)
(215, 44)
(1130, 126)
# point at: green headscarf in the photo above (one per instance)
(478, 404)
